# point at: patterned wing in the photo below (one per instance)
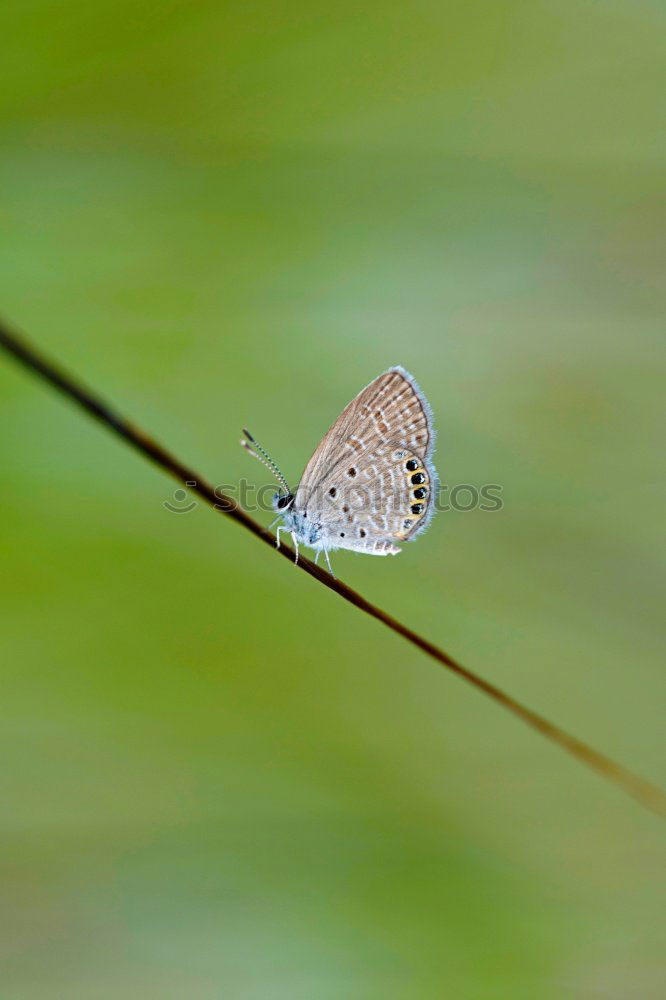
(371, 481)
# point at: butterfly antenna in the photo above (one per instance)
(254, 448)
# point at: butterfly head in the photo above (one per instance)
(295, 519)
(282, 502)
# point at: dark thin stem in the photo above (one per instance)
(643, 791)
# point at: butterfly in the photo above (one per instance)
(370, 482)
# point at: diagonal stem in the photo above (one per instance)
(648, 794)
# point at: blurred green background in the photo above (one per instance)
(219, 780)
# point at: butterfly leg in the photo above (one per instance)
(317, 554)
(277, 535)
(295, 541)
(328, 563)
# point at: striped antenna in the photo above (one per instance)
(253, 447)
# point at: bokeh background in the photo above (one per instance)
(218, 779)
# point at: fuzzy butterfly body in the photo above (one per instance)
(370, 483)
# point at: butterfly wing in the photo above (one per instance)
(371, 482)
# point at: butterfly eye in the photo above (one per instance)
(283, 501)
